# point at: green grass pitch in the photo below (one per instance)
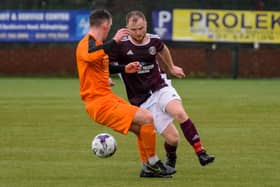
(45, 136)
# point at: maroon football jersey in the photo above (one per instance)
(140, 85)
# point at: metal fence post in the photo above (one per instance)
(234, 62)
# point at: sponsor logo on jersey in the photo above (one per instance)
(145, 67)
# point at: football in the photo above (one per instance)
(104, 145)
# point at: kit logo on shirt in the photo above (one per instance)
(130, 52)
(152, 50)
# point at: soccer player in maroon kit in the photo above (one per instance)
(149, 90)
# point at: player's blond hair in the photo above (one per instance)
(135, 15)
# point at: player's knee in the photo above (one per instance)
(143, 116)
(172, 140)
(175, 138)
(148, 118)
(135, 129)
(171, 135)
(181, 116)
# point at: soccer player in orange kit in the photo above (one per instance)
(102, 105)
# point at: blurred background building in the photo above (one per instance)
(199, 59)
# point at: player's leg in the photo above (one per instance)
(145, 133)
(151, 164)
(118, 115)
(122, 117)
(147, 144)
(142, 154)
(171, 140)
(175, 109)
(164, 126)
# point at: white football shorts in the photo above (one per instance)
(156, 104)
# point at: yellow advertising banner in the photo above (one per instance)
(226, 26)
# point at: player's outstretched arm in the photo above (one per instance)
(132, 67)
(167, 59)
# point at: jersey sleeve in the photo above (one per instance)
(114, 53)
(159, 44)
(92, 57)
(93, 51)
(88, 54)
(116, 68)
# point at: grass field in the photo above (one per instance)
(45, 136)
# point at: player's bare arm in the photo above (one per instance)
(120, 34)
(177, 71)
